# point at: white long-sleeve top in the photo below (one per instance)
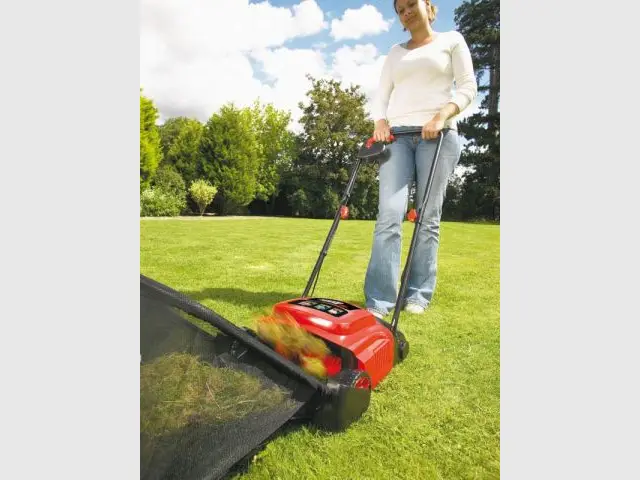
(416, 84)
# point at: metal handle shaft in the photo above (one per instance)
(414, 238)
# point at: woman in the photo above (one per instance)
(420, 73)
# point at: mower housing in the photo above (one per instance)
(362, 341)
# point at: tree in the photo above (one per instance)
(451, 209)
(276, 148)
(229, 156)
(299, 203)
(150, 150)
(335, 125)
(170, 130)
(182, 141)
(479, 22)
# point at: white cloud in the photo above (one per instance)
(216, 26)
(194, 56)
(199, 88)
(286, 70)
(357, 23)
(308, 18)
(359, 64)
(283, 63)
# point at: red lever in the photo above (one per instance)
(371, 141)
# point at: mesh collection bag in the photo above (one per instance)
(210, 392)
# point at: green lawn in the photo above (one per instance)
(436, 416)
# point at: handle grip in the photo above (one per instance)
(372, 149)
(404, 131)
(371, 141)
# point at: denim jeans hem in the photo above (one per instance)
(414, 302)
(377, 310)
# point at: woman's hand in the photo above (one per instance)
(433, 127)
(381, 131)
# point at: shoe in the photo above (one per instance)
(378, 315)
(414, 308)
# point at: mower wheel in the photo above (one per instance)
(402, 347)
(349, 397)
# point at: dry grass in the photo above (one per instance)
(179, 389)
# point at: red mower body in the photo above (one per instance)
(361, 340)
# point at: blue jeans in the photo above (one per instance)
(409, 157)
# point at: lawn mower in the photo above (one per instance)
(361, 349)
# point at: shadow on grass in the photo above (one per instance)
(239, 297)
(255, 300)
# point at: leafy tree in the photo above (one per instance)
(276, 148)
(299, 203)
(479, 22)
(183, 147)
(334, 126)
(451, 208)
(170, 130)
(150, 150)
(230, 156)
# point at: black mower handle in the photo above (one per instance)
(372, 148)
(405, 131)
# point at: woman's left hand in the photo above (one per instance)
(432, 128)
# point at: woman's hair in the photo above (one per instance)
(433, 10)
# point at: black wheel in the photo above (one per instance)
(402, 347)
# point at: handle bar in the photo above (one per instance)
(371, 148)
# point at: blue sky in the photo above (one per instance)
(336, 8)
(198, 55)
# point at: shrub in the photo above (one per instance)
(157, 203)
(202, 193)
(169, 180)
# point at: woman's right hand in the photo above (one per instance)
(381, 131)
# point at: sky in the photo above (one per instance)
(197, 55)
